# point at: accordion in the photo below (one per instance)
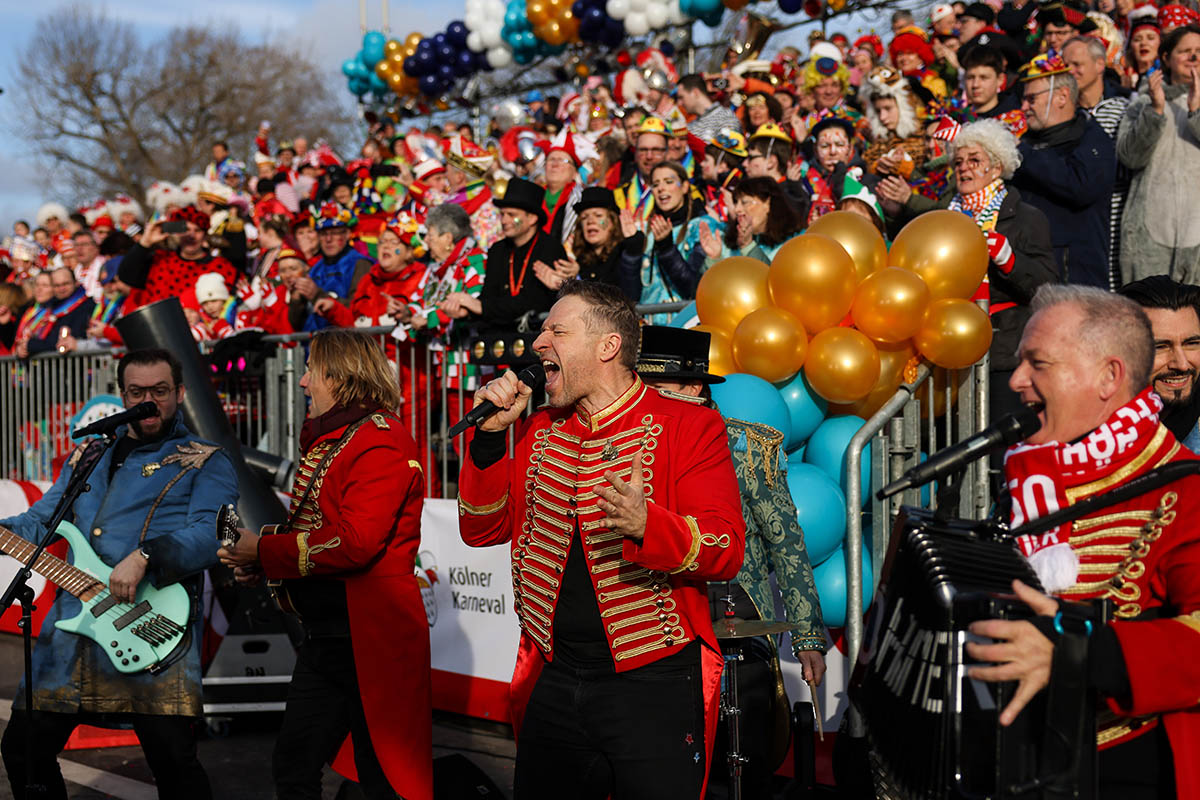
(933, 732)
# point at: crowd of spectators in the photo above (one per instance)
(1069, 134)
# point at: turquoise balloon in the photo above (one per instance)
(826, 449)
(750, 398)
(796, 456)
(820, 509)
(805, 407)
(830, 577)
(373, 48)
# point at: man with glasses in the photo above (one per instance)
(649, 150)
(150, 513)
(1068, 166)
(68, 317)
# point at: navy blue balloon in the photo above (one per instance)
(412, 67)
(445, 73)
(464, 65)
(578, 8)
(425, 44)
(614, 25)
(667, 48)
(427, 61)
(456, 33)
(429, 85)
(791, 6)
(439, 39)
(447, 54)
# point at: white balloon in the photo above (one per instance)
(472, 7)
(491, 37)
(475, 42)
(636, 6)
(499, 57)
(617, 9)
(675, 13)
(636, 24)
(657, 15)
(474, 20)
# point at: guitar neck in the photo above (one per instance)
(55, 570)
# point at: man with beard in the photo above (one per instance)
(169, 271)
(149, 513)
(619, 504)
(1174, 312)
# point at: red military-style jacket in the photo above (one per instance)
(362, 525)
(1144, 555)
(651, 594)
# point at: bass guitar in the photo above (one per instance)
(228, 523)
(147, 634)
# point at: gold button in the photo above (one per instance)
(96, 531)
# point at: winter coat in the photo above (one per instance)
(1068, 171)
(1160, 230)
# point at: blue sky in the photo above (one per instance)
(326, 30)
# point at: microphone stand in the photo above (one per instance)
(20, 591)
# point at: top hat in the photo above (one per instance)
(525, 195)
(597, 197)
(676, 354)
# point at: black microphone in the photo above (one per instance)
(1006, 431)
(106, 426)
(532, 376)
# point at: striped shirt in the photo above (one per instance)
(1108, 113)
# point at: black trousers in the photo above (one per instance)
(756, 704)
(169, 743)
(591, 734)
(323, 705)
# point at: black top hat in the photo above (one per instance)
(597, 197)
(525, 195)
(676, 354)
(980, 11)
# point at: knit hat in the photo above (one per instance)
(211, 286)
(912, 39)
(870, 42)
(940, 12)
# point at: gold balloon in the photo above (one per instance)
(409, 50)
(412, 40)
(397, 60)
(384, 68)
(720, 351)
(892, 360)
(538, 12)
(858, 238)
(842, 365)
(391, 47)
(552, 33)
(890, 304)
(955, 333)
(946, 249)
(770, 343)
(813, 277)
(397, 83)
(731, 289)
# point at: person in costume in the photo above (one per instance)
(675, 362)
(65, 321)
(895, 108)
(149, 512)
(564, 187)
(345, 562)
(913, 56)
(830, 151)
(341, 266)
(661, 261)
(512, 289)
(827, 78)
(763, 219)
(156, 267)
(631, 508)
(1086, 357)
(467, 163)
(720, 171)
(649, 150)
(596, 244)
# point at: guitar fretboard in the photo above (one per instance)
(53, 569)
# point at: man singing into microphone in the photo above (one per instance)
(619, 505)
(151, 515)
(1087, 355)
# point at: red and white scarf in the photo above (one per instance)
(1039, 476)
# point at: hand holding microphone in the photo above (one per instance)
(501, 402)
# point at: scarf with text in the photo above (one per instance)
(1040, 476)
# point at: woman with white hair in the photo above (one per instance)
(984, 156)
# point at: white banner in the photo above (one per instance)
(468, 598)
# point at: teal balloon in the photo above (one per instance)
(796, 456)
(805, 407)
(827, 449)
(820, 509)
(350, 67)
(378, 85)
(752, 399)
(830, 577)
(373, 48)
